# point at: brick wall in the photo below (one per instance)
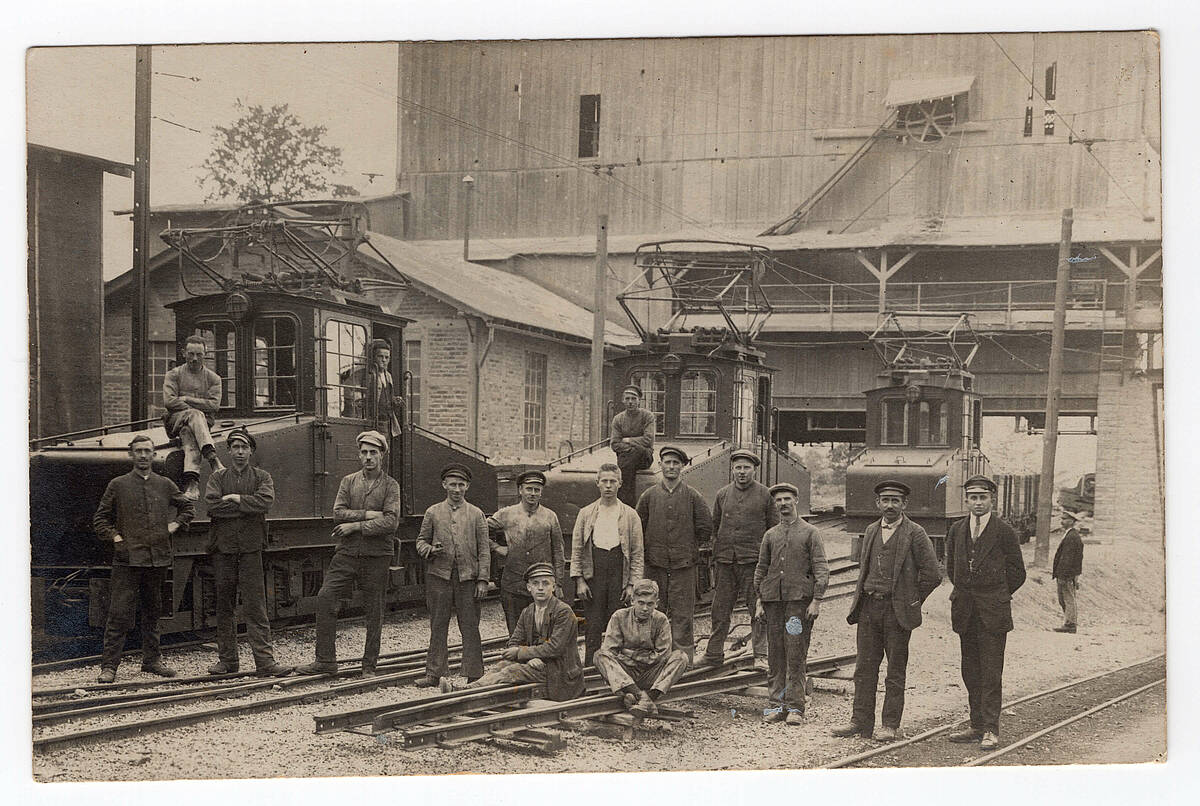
(115, 378)
(502, 398)
(1129, 497)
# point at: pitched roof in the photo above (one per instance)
(491, 293)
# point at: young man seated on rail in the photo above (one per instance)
(544, 646)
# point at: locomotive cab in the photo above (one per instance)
(923, 429)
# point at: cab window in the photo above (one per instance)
(345, 368)
(220, 341)
(894, 430)
(931, 422)
(654, 395)
(274, 362)
(698, 403)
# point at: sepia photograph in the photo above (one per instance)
(594, 404)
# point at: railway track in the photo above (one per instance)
(1024, 720)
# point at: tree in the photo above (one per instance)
(267, 155)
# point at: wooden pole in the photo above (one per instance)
(139, 326)
(599, 313)
(1041, 554)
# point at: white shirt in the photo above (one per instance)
(977, 528)
(886, 530)
(606, 535)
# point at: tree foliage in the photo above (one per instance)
(268, 155)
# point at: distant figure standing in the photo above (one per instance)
(1068, 565)
(675, 521)
(791, 577)
(192, 396)
(984, 563)
(631, 436)
(135, 516)
(376, 401)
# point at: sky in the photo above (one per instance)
(82, 98)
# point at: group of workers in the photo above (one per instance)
(633, 564)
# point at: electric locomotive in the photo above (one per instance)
(292, 352)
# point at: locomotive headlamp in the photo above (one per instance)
(912, 393)
(671, 364)
(238, 305)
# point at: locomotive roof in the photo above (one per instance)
(323, 298)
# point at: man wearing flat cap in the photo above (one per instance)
(984, 563)
(1068, 565)
(675, 521)
(367, 511)
(238, 498)
(544, 646)
(531, 534)
(742, 513)
(790, 577)
(454, 543)
(897, 571)
(637, 659)
(631, 436)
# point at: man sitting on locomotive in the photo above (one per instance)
(192, 395)
(543, 648)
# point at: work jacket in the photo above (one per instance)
(463, 535)
(555, 644)
(139, 510)
(984, 576)
(791, 563)
(356, 496)
(242, 527)
(1068, 558)
(629, 528)
(740, 518)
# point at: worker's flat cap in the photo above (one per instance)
(637, 390)
(539, 570)
(979, 482)
(373, 438)
(671, 450)
(456, 471)
(892, 486)
(532, 477)
(749, 456)
(784, 487)
(241, 433)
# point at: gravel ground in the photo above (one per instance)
(1121, 620)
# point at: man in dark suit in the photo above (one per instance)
(983, 561)
(897, 571)
(1068, 565)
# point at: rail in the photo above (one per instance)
(942, 296)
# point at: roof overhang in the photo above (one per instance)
(913, 91)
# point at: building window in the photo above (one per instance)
(220, 341)
(275, 362)
(589, 126)
(931, 422)
(1051, 82)
(698, 404)
(535, 401)
(345, 368)
(895, 422)
(162, 358)
(412, 363)
(654, 395)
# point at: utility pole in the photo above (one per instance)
(599, 313)
(1041, 554)
(139, 326)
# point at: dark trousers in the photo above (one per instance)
(982, 672)
(242, 573)
(513, 604)
(789, 631)
(630, 463)
(734, 581)
(677, 598)
(879, 635)
(442, 596)
(345, 571)
(608, 571)
(135, 592)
